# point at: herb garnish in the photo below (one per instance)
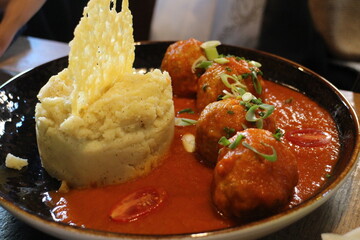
(271, 158)
(181, 122)
(278, 134)
(229, 131)
(186, 110)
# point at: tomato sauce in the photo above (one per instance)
(187, 206)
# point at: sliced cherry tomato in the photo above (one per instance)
(137, 204)
(308, 137)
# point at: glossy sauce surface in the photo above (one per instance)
(188, 206)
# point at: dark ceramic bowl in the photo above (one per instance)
(21, 191)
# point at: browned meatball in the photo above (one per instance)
(178, 61)
(210, 86)
(218, 119)
(248, 186)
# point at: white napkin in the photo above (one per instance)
(352, 235)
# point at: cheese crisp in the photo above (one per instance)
(102, 50)
(97, 122)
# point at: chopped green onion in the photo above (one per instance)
(269, 109)
(228, 69)
(229, 131)
(197, 62)
(224, 141)
(210, 44)
(245, 75)
(251, 113)
(278, 134)
(247, 97)
(255, 63)
(237, 88)
(221, 60)
(237, 141)
(271, 158)
(186, 110)
(257, 101)
(260, 123)
(230, 112)
(181, 122)
(210, 49)
(224, 78)
(256, 82)
(241, 91)
(204, 64)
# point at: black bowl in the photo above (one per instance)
(21, 191)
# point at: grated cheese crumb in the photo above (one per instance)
(14, 162)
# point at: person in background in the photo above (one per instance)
(322, 35)
(14, 15)
(232, 22)
(57, 19)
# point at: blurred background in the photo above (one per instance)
(323, 35)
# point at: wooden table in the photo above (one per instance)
(338, 215)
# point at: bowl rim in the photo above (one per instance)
(303, 209)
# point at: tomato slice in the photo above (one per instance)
(137, 204)
(308, 137)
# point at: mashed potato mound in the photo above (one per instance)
(97, 122)
(122, 135)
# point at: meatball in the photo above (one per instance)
(218, 119)
(248, 186)
(178, 61)
(210, 87)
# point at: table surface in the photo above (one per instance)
(340, 214)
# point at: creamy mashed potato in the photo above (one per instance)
(97, 124)
(122, 135)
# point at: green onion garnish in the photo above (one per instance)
(251, 113)
(271, 158)
(186, 110)
(247, 97)
(269, 109)
(255, 63)
(260, 123)
(256, 82)
(237, 141)
(278, 134)
(204, 64)
(257, 101)
(237, 88)
(197, 62)
(224, 78)
(221, 60)
(224, 141)
(228, 69)
(210, 49)
(229, 131)
(181, 122)
(230, 112)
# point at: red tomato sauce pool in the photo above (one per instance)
(187, 206)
